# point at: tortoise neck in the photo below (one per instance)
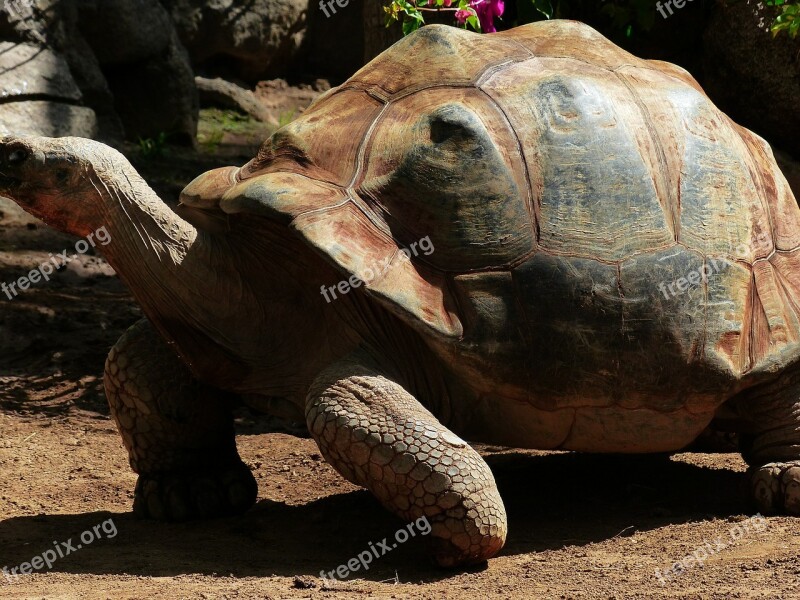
(150, 244)
(163, 260)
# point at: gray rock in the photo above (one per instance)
(258, 38)
(224, 94)
(124, 31)
(94, 87)
(157, 96)
(121, 58)
(41, 22)
(39, 94)
(53, 24)
(145, 69)
(27, 70)
(43, 117)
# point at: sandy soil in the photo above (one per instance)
(580, 526)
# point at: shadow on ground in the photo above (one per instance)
(553, 501)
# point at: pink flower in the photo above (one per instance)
(462, 15)
(447, 2)
(487, 10)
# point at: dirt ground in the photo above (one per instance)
(580, 526)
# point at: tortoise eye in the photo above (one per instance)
(17, 156)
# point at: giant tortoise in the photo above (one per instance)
(529, 238)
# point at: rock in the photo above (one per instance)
(224, 94)
(39, 21)
(124, 31)
(93, 85)
(335, 46)
(123, 56)
(52, 24)
(283, 101)
(27, 70)
(129, 48)
(157, 96)
(791, 170)
(44, 117)
(250, 40)
(40, 96)
(751, 76)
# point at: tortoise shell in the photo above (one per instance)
(603, 235)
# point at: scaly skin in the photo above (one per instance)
(379, 436)
(772, 445)
(178, 432)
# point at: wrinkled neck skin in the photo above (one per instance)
(230, 305)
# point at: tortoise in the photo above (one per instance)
(529, 238)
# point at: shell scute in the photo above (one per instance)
(435, 55)
(323, 143)
(589, 156)
(438, 171)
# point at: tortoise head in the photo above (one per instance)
(66, 182)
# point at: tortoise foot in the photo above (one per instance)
(776, 487)
(184, 496)
(444, 553)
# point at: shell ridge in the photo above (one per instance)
(530, 201)
(671, 212)
(755, 173)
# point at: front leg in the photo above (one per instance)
(377, 435)
(179, 433)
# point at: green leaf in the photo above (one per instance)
(410, 26)
(545, 7)
(787, 19)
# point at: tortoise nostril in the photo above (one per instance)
(17, 156)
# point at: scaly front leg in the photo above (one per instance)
(379, 436)
(178, 432)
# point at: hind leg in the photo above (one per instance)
(178, 432)
(772, 445)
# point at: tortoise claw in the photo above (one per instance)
(185, 496)
(776, 487)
